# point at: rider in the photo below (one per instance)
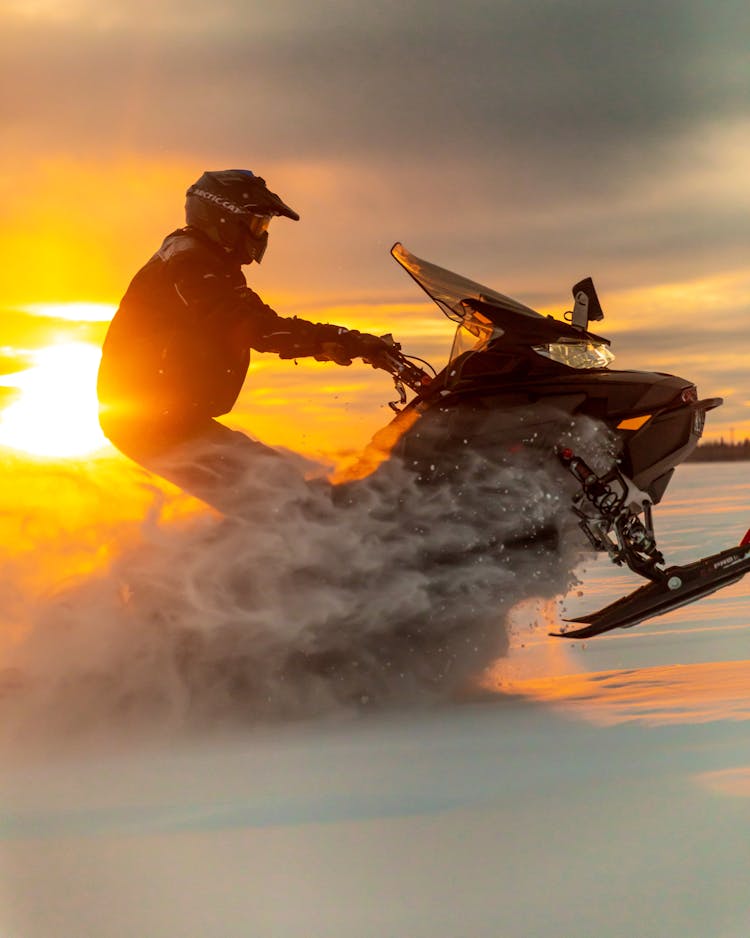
(178, 349)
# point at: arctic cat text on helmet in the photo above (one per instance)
(234, 208)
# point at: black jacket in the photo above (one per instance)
(179, 345)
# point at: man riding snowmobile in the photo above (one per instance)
(178, 349)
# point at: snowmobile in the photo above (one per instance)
(512, 377)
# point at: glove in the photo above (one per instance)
(371, 349)
(333, 352)
(354, 344)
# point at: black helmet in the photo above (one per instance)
(234, 208)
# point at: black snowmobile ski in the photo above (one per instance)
(677, 587)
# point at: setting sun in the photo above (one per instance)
(56, 412)
(73, 312)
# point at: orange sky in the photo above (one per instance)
(523, 145)
(320, 408)
(627, 163)
(317, 408)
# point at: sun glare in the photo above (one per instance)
(56, 412)
(75, 312)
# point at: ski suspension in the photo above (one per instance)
(614, 527)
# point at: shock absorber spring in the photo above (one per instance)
(601, 495)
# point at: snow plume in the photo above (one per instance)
(392, 590)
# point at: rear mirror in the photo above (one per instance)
(587, 307)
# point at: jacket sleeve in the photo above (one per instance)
(221, 307)
(287, 336)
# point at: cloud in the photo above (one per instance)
(561, 84)
(525, 144)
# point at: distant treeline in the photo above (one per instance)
(718, 452)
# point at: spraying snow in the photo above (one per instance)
(388, 591)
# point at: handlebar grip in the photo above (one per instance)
(401, 367)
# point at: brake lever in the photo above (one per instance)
(402, 368)
(404, 373)
(394, 405)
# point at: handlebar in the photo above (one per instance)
(404, 371)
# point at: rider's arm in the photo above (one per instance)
(223, 305)
(289, 336)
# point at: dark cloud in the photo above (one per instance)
(523, 141)
(569, 80)
(686, 339)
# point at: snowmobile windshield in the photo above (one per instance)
(452, 293)
(485, 316)
(474, 334)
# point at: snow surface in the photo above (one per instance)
(596, 790)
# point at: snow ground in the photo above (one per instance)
(494, 818)
(599, 790)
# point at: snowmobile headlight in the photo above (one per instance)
(577, 354)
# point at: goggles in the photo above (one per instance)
(257, 225)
